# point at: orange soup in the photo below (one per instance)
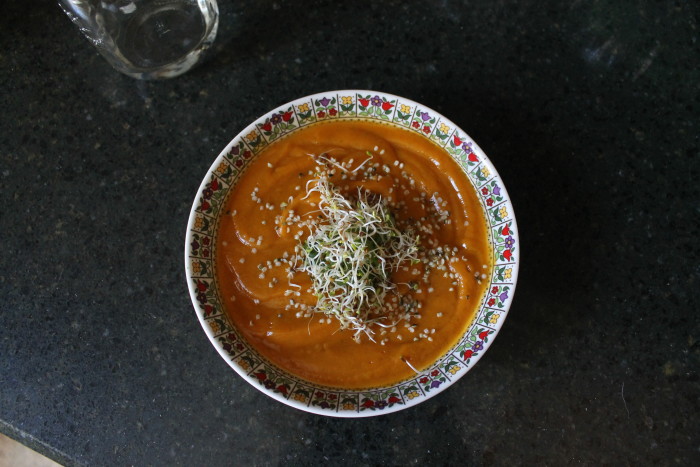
(265, 224)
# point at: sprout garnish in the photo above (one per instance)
(351, 254)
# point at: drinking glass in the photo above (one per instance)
(147, 39)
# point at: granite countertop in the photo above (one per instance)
(589, 109)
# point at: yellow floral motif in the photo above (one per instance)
(503, 212)
(215, 328)
(348, 406)
(221, 168)
(346, 100)
(444, 128)
(299, 397)
(304, 107)
(494, 318)
(507, 273)
(243, 364)
(485, 171)
(455, 369)
(196, 267)
(412, 394)
(198, 222)
(405, 109)
(252, 136)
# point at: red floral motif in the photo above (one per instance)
(387, 105)
(494, 290)
(261, 376)
(492, 301)
(505, 231)
(247, 154)
(321, 114)
(426, 129)
(483, 335)
(434, 373)
(468, 353)
(267, 126)
(287, 116)
(485, 191)
(332, 112)
(415, 125)
(424, 380)
(489, 202)
(205, 205)
(282, 388)
(457, 141)
(393, 400)
(473, 158)
(507, 255)
(364, 102)
(202, 286)
(369, 403)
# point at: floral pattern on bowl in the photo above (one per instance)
(225, 173)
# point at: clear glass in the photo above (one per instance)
(147, 39)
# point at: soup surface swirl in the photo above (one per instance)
(266, 217)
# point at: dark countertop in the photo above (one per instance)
(590, 112)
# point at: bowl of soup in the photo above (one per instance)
(352, 253)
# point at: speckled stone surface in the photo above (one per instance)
(589, 109)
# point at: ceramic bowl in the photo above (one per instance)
(223, 176)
